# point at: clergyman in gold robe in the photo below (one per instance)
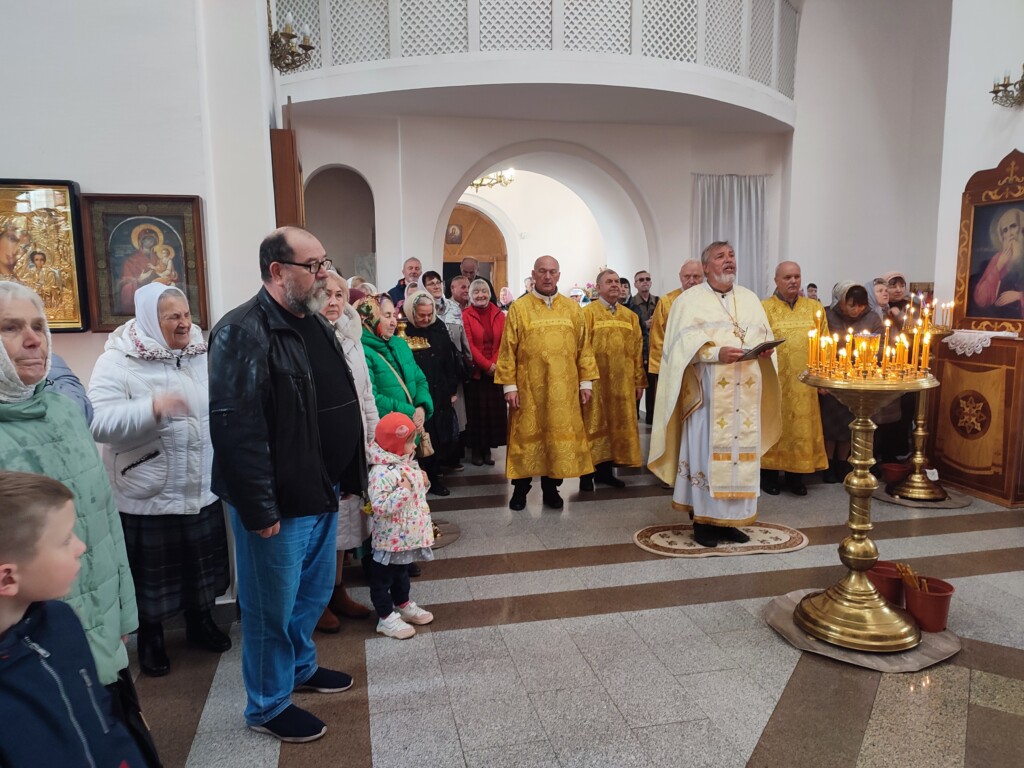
(610, 416)
(547, 370)
(801, 449)
(715, 413)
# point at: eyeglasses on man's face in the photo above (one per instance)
(312, 266)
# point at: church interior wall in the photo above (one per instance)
(867, 138)
(985, 42)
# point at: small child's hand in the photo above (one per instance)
(405, 484)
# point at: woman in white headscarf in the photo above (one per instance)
(150, 393)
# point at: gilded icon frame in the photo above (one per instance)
(41, 247)
(989, 293)
(132, 240)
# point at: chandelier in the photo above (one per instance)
(1007, 94)
(498, 178)
(286, 54)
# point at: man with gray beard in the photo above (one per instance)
(999, 292)
(287, 439)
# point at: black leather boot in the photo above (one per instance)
(202, 632)
(152, 653)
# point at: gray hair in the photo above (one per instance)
(172, 291)
(12, 291)
(478, 282)
(706, 253)
(602, 273)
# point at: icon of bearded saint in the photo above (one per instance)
(1002, 283)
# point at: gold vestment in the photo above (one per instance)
(801, 448)
(545, 352)
(610, 416)
(658, 321)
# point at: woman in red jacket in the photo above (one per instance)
(486, 412)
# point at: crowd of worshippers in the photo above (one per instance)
(321, 414)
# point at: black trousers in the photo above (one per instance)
(546, 483)
(649, 394)
(389, 586)
(124, 706)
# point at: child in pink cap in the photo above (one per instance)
(402, 530)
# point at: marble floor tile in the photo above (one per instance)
(1012, 582)
(601, 751)
(722, 617)
(536, 754)
(733, 702)
(921, 717)
(547, 670)
(664, 625)
(617, 666)
(604, 631)
(768, 659)
(481, 677)
(997, 692)
(695, 744)
(462, 645)
(538, 635)
(506, 717)
(424, 736)
(654, 702)
(526, 583)
(697, 655)
(568, 714)
(238, 748)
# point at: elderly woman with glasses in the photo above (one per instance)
(437, 357)
(486, 410)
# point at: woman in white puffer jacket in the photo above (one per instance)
(352, 521)
(150, 393)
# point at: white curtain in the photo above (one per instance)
(733, 208)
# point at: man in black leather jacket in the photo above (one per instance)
(287, 436)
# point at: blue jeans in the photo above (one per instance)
(284, 585)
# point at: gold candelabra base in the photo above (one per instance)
(851, 613)
(917, 486)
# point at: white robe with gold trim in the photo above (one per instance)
(712, 422)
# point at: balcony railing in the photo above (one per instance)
(754, 39)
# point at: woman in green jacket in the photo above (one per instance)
(398, 383)
(45, 433)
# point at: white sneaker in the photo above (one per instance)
(393, 626)
(413, 614)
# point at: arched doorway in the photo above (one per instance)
(340, 212)
(473, 233)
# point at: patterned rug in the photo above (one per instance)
(677, 541)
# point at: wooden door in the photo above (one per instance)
(472, 233)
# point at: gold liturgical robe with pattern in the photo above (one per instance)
(713, 421)
(610, 416)
(545, 352)
(802, 447)
(658, 322)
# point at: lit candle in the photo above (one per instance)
(842, 361)
(924, 355)
(885, 353)
(849, 343)
(913, 357)
(810, 348)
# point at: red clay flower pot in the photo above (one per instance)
(895, 473)
(931, 608)
(887, 581)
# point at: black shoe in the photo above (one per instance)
(326, 681)
(552, 499)
(478, 458)
(705, 535)
(152, 653)
(830, 475)
(488, 459)
(795, 485)
(438, 488)
(453, 467)
(726, 533)
(294, 725)
(202, 632)
(414, 570)
(587, 482)
(518, 500)
(609, 479)
(770, 482)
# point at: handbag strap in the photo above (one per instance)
(389, 365)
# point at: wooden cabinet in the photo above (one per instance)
(976, 419)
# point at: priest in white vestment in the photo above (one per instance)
(715, 415)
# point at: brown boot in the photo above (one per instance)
(328, 623)
(343, 605)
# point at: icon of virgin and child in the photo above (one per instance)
(151, 260)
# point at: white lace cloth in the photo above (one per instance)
(969, 343)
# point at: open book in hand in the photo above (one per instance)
(751, 354)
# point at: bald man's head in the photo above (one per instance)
(691, 273)
(545, 275)
(787, 280)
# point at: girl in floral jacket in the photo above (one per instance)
(402, 530)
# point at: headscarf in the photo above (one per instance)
(873, 305)
(12, 389)
(147, 314)
(370, 314)
(888, 277)
(419, 297)
(839, 295)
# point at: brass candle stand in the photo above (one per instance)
(917, 486)
(851, 613)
